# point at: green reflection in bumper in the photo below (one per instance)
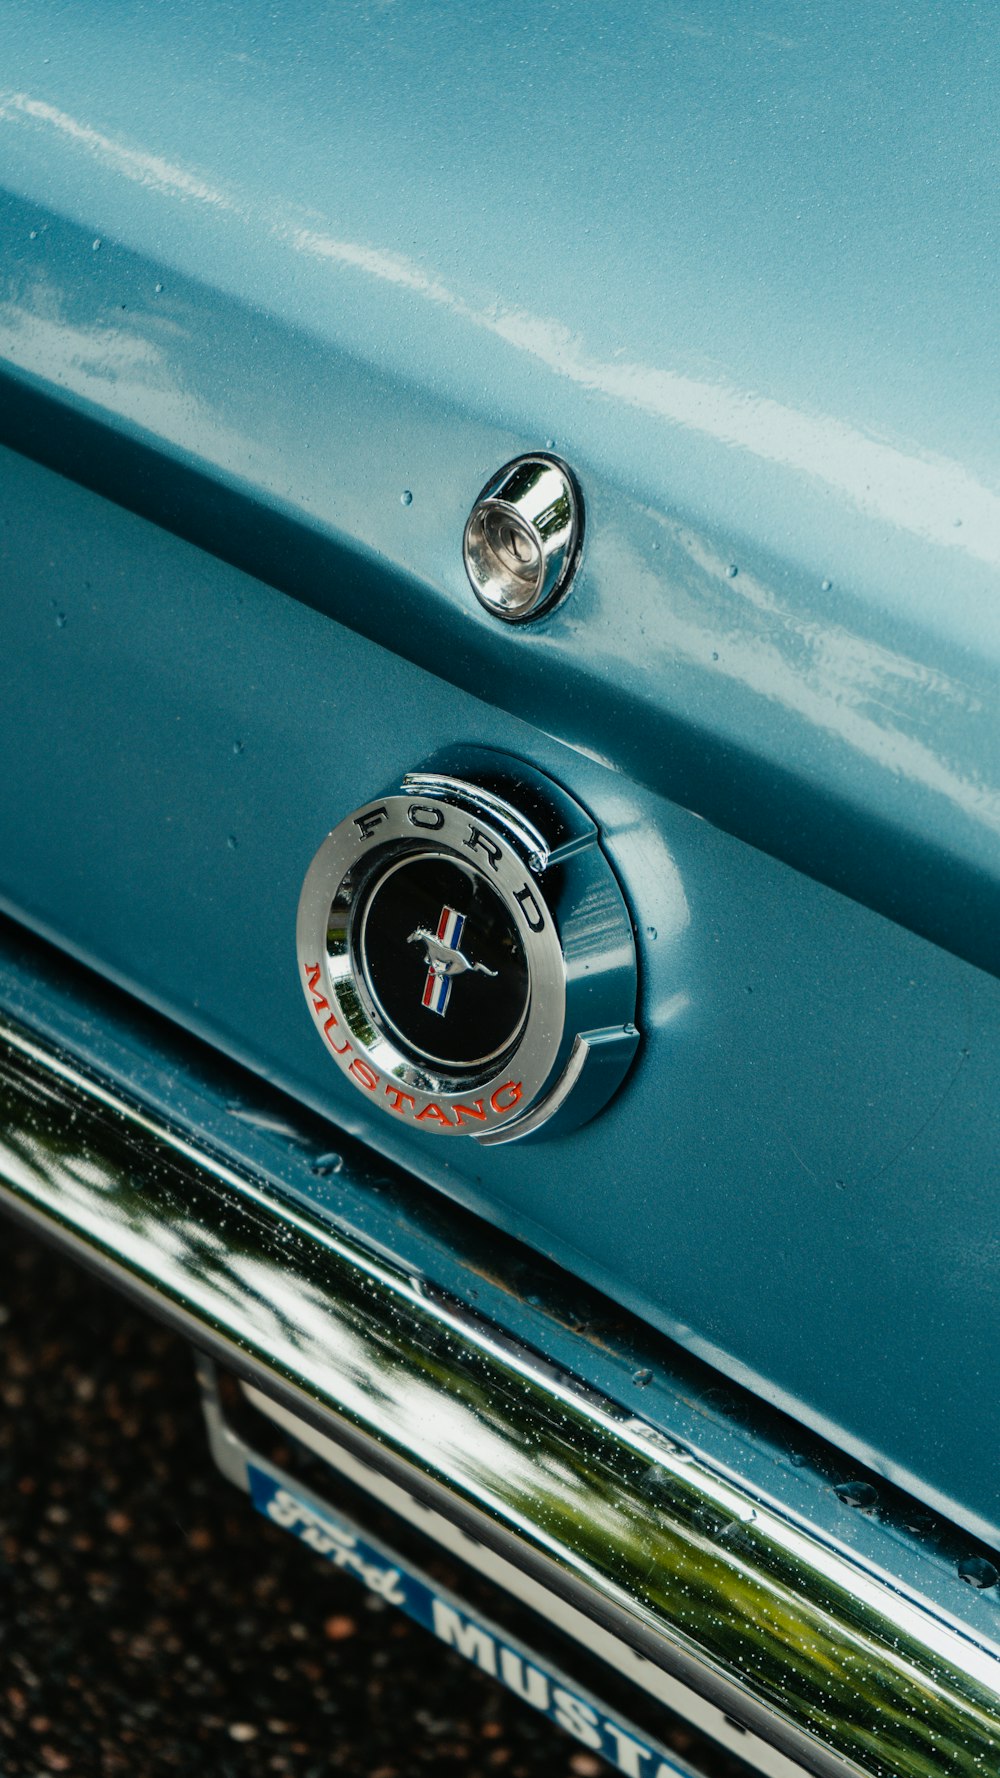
(852, 1673)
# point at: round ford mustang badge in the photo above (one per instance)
(466, 954)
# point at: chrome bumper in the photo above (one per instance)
(683, 1566)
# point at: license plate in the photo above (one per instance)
(332, 1535)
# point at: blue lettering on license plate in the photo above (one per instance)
(338, 1540)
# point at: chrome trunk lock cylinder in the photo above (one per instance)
(522, 541)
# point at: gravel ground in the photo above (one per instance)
(153, 1623)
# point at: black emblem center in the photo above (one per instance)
(442, 961)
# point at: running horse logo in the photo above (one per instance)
(444, 959)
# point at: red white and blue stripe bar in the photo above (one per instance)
(437, 988)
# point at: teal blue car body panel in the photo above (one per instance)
(798, 1179)
(751, 293)
(262, 275)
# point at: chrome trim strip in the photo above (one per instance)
(821, 1655)
(539, 1113)
(691, 1706)
(234, 1456)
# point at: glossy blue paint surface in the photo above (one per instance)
(266, 271)
(799, 1179)
(739, 263)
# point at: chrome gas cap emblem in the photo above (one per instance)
(466, 954)
(522, 541)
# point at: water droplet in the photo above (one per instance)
(796, 1459)
(232, 842)
(841, 1184)
(406, 498)
(95, 246)
(714, 655)
(732, 571)
(158, 288)
(857, 1494)
(642, 1377)
(550, 444)
(60, 620)
(238, 746)
(825, 585)
(977, 1572)
(326, 1165)
(33, 235)
(262, 1120)
(656, 1479)
(652, 931)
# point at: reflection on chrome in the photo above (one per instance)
(682, 1557)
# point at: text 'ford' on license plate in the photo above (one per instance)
(333, 1536)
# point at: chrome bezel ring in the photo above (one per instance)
(357, 853)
